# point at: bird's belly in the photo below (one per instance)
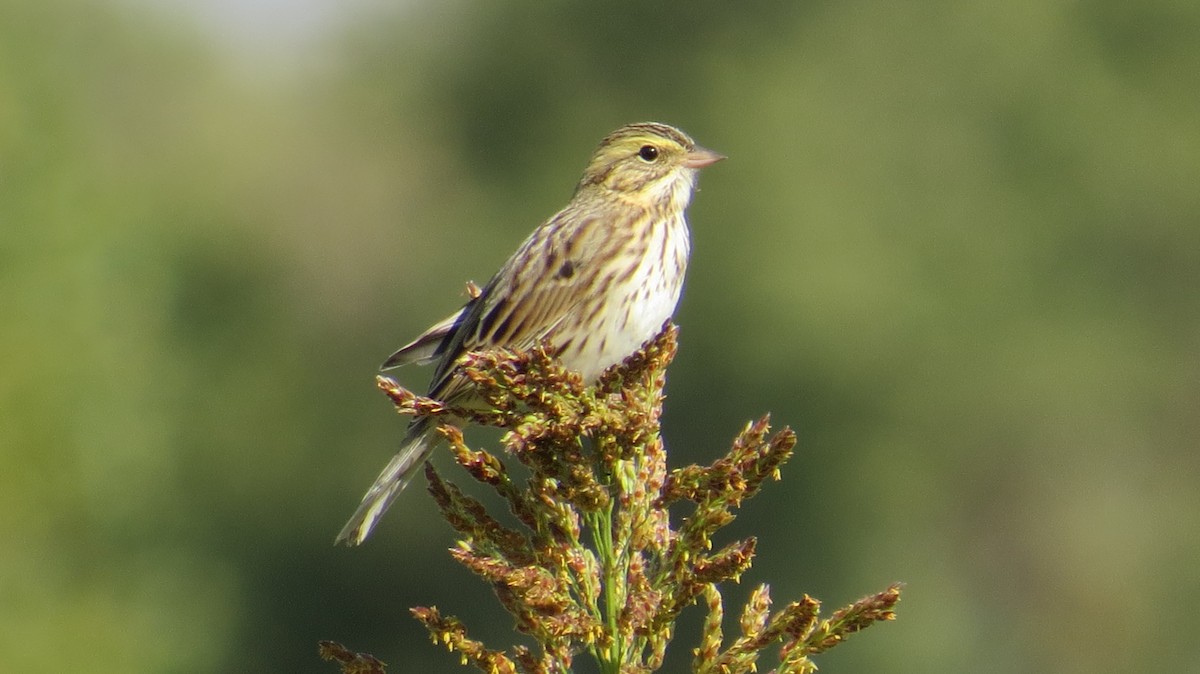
(637, 311)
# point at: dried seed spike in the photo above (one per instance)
(592, 563)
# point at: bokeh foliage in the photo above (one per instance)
(956, 247)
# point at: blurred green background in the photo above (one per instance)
(956, 246)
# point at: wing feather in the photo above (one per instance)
(429, 345)
(529, 297)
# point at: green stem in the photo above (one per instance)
(602, 535)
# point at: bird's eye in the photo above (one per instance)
(648, 153)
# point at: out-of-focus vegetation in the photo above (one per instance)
(957, 246)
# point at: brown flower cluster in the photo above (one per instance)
(595, 565)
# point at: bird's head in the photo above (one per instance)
(648, 163)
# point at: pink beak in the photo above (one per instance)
(700, 157)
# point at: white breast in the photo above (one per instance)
(638, 306)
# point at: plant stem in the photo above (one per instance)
(602, 535)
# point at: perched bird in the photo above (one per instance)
(597, 280)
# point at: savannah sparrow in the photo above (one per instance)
(597, 280)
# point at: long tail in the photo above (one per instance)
(417, 446)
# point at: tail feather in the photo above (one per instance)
(417, 446)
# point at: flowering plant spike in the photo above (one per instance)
(595, 566)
